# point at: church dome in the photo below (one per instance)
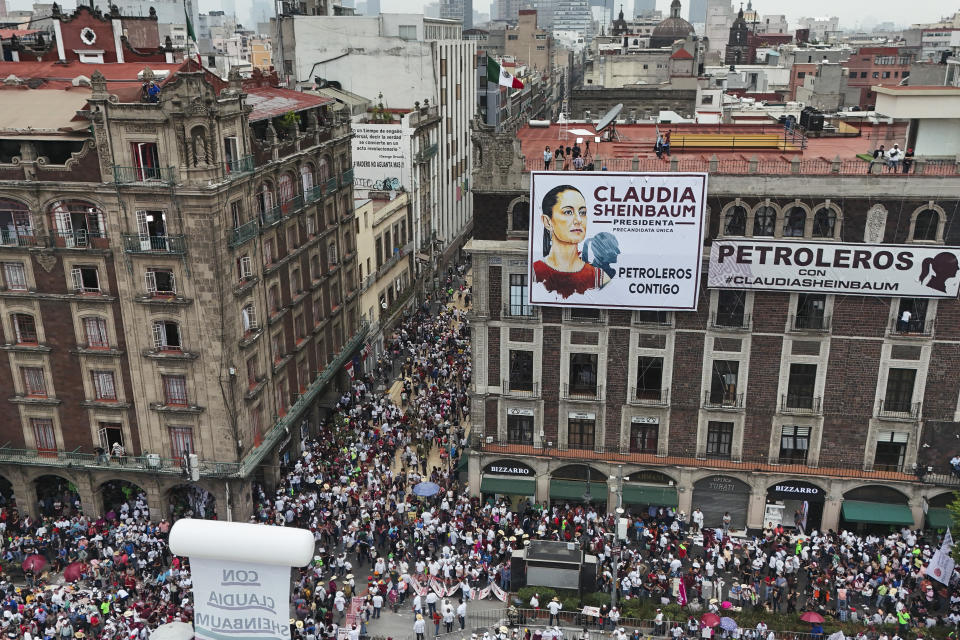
(671, 29)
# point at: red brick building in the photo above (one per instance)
(872, 66)
(759, 399)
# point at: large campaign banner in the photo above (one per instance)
(616, 240)
(912, 271)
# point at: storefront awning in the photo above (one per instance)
(647, 494)
(509, 486)
(574, 490)
(877, 512)
(939, 518)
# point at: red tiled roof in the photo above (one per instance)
(269, 102)
(6, 34)
(681, 54)
(57, 73)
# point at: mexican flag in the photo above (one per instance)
(496, 73)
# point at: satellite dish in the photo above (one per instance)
(609, 117)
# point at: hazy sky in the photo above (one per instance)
(852, 13)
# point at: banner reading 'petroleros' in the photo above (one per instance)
(616, 240)
(831, 267)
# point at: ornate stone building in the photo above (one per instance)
(178, 282)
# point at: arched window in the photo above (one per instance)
(323, 169)
(520, 216)
(825, 223)
(198, 146)
(248, 318)
(794, 222)
(927, 224)
(306, 177)
(765, 220)
(16, 228)
(166, 336)
(74, 222)
(735, 221)
(264, 198)
(285, 188)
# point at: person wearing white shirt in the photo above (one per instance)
(419, 626)
(554, 607)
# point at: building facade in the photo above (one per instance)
(179, 287)
(757, 401)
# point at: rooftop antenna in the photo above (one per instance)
(609, 119)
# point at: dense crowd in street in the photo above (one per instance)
(352, 486)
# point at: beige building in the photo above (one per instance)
(385, 250)
(527, 43)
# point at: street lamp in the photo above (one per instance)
(617, 541)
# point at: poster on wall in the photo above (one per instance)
(381, 159)
(832, 267)
(616, 240)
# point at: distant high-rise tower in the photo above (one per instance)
(373, 8)
(461, 10)
(698, 11)
(644, 7)
(3, 7)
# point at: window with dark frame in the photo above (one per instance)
(34, 382)
(583, 374)
(521, 370)
(519, 302)
(730, 308)
(891, 450)
(166, 336)
(181, 442)
(25, 328)
(926, 225)
(580, 433)
(96, 332)
(719, 439)
(519, 429)
(824, 223)
(653, 317)
(764, 221)
(174, 390)
(794, 444)
(649, 377)
(801, 385)
(735, 221)
(795, 222)
(104, 386)
(899, 395)
(644, 437)
(811, 308)
(912, 315)
(44, 437)
(723, 382)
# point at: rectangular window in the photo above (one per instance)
(43, 435)
(520, 429)
(811, 310)
(34, 382)
(268, 251)
(104, 387)
(281, 397)
(303, 375)
(723, 383)
(231, 153)
(801, 386)
(160, 282)
(166, 336)
(643, 438)
(794, 444)
(719, 439)
(408, 32)
(585, 315)
(583, 374)
(292, 242)
(580, 433)
(899, 396)
(146, 159)
(299, 327)
(110, 433)
(96, 333)
(649, 378)
(653, 317)
(521, 370)
(730, 309)
(519, 304)
(85, 279)
(244, 268)
(252, 371)
(25, 328)
(891, 450)
(181, 442)
(174, 390)
(912, 316)
(14, 276)
(276, 346)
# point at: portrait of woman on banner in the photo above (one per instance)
(567, 268)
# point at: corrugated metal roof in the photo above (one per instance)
(269, 102)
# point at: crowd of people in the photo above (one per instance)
(431, 554)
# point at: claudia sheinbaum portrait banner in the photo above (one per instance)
(616, 240)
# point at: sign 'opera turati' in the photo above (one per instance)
(831, 267)
(616, 240)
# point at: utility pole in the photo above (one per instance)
(617, 540)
